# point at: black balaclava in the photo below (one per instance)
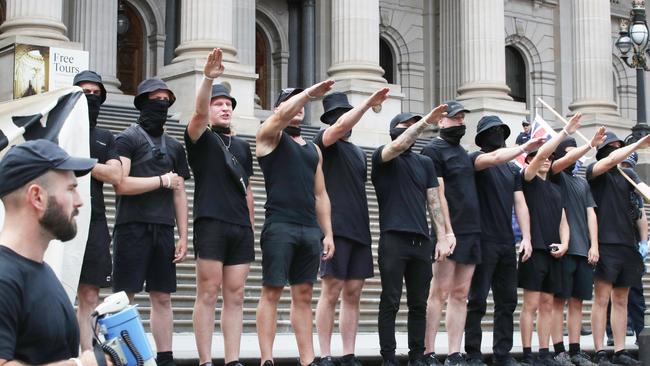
(293, 131)
(395, 132)
(153, 115)
(561, 152)
(221, 129)
(94, 103)
(604, 151)
(492, 139)
(453, 134)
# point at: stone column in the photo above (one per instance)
(592, 60)
(449, 49)
(34, 18)
(308, 47)
(244, 36)
(95, 26)
(206, 24)
(482, 50)
(355, 40)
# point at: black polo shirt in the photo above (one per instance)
(102, 148)
(544, 201)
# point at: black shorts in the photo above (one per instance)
(222, 241)
(577, 278)
(290, 254)
(351, 261)
(620, 265)
(97, 266)
(468, 249)
(541, 272)
(144, 253)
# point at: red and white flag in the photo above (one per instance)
(539, 128)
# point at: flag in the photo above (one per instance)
(60, 116)
(539, 128)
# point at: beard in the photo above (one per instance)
(55, 221)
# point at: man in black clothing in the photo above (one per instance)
(345, 171)
(297, 217)
(498, 183)
(96, 268)
(223, 214)
(151, 200)
(577, 270)
(524, 136)
(406, 186)
(38, 191)
(619, 265)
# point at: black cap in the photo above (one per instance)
(92, 77)
(29, 160)
(403, 117)
(150, 85)
(569, 141)
(526, 121)
(285, 94)
(534, 152)
(334, 104)
(220, 90)
(453, 108)
(609, 138)
(487, 122)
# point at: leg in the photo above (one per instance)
(417, 277)
(636, 307)
(476, 307)
(234, 279)
(455, 320)
(301, 321)
(574, 320)
(329, 296)
(267, 320)
(161, 320)
(88, 296)
(527, 316)
(619, 316)
(208, 281)
(443, 275)
(504, 292)
(391, 269)
(602, 291)
(545, 319)
(349, 316)
(557, 322)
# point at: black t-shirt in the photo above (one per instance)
(216, 195)
(612, 195)
(37, 320)
(154, 207)
(289, 176)
(346, 172)
(544, 201)
(401, 186)
(452, 164)
(522, 138)
(102, 148)
(577, 198)
(496, 187)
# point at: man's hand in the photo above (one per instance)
(593, 256)
(443, 249)
(574, 123)
(214, 66)
(533, 144)
(644, 142)
(599, 137)
(561, 250)
(320, 89)
(181, 250)
(169, 180)
(436, 115)
(526, 248)
(378, 97)
(87, 358)
(328, 248)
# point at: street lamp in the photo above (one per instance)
(635, 40)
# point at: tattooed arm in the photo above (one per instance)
(443, 247)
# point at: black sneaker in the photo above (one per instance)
(625, 358)
(431, 360)
(475, 361)
(326, 361)
(601, 359)
(417, 362)
(349, 362)
(455, 359)
(547, 360)
(268, 363)
(582, 359)
(504, 361)
(528, 360)
(563, 359)
(389, 362)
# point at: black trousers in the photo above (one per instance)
(498, 271)
(407, 257)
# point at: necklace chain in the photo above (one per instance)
(223, 142)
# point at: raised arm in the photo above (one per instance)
(201, 117)
(618, 155)
(406, 139)
(506, 154)
(575, 154)
(351, 117)
(523, 219)
(323, 209)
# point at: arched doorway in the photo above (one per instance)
(130, 48)
(516, 77)
(387, 61)
(262, 58)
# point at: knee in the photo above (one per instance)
(301, 294)
(160, 300)
(459, 295)
(271, 294)
(530, 307)
(233, 297)
(351, 296)
(88, 299)
(438, 293)
(619, 301)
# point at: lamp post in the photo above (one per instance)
(634, 39)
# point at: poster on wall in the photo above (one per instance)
(38, 69)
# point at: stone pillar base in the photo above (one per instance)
(510, 112)
(643, 166)
(188, 74)
(372, 129)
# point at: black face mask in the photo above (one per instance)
(292, 130)
(453, 134)
(220, 129)
(605, 151)
(395, 133)
(492, 139)
(94, 103)
(153, 116)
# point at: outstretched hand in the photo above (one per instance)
(599, 137)
(436, 114)
(214, 66)
(574, 123)
(378, 97)
(533, 144)
(320, 89)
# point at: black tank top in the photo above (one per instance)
(289, 175)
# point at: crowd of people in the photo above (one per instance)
(445, 218)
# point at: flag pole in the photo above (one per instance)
(636, 186)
